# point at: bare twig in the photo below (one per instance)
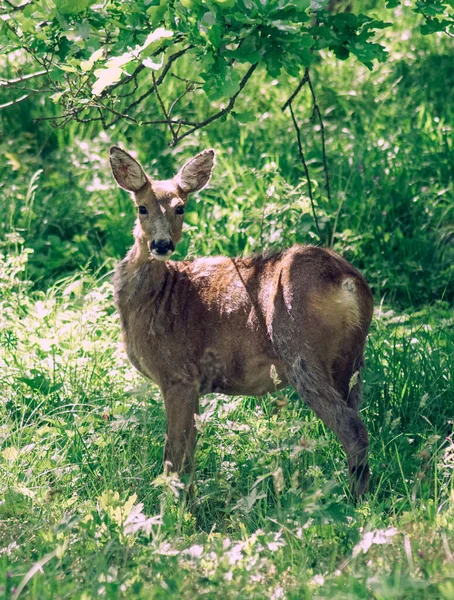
(159, 80)
(15, 101)
(177, 122)
(123, 80)
(315, 112)
(322, 131)
(11, 82)
(187, 81)
(220, 113)
(300, 86)
(306, 170)
(189, 88)
(163, 108)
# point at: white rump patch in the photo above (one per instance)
(348, 298)
(126, 170)
(196, 173)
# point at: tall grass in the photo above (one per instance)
(81, 460)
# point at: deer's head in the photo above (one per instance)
(160, 204)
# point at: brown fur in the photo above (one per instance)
(219, 324)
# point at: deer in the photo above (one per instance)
(230, 325)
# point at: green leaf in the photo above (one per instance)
(105, 78)
(272, 58)
(87, 65)
(224, 84)
(434, 25)
(392, 3)
(157, 11)
(225, 3)
(244, 117)
(154, 41)
(72, 7)
(248, 50)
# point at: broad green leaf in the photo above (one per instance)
(244, 117)
(87, 65)
(105, 78)
(153, 65)
(156, 12)
(72, 7)
(154, 41)
(248, 50)
(225, 3)
(434, 25)
(223, 85)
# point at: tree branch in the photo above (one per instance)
(15, 101)
(300, 86)
(159, 80)
(322, 131)
(11, 82)
(163, 108)
(220, 113)
(124, 80)
(306, 170)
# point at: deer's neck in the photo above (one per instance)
(139, 274)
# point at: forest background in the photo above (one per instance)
(360, 159)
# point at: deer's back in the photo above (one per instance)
(218, 322)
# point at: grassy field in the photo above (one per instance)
(85, 510)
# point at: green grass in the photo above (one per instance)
(81, 433)
(81, 451)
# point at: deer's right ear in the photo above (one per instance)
(126, 170)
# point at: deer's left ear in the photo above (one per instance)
(196, 173)
(126, 170)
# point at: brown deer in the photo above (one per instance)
(219, 324)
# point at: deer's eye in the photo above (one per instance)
(179, 210)
(143, 210)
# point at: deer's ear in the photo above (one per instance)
(126, 170)
(196, 173)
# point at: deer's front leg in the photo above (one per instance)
(182, 404)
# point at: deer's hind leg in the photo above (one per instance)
(313, 381)
(346, 372)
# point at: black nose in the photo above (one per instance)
(162, 246)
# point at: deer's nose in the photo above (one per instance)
(162, 246)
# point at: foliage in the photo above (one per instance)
(90, 54)
(57, 190)
(100, 62)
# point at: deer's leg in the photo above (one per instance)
(314, 384)
(346, 372)
(182, 404)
